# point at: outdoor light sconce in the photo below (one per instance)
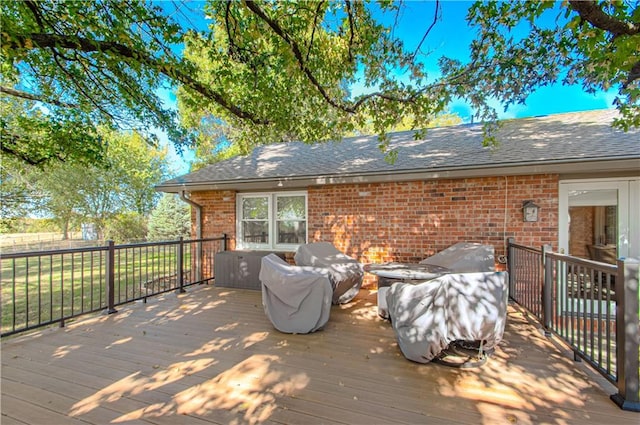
(529, 211)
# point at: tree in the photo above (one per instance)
(88, 64)
(594, 43)
(36, 137)
(140, 168)
(126, 227)
(170, 220)
(102, 194)
(291, 64)
(16, 193)
(61, 196)
(264, 71)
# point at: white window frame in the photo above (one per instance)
(272, 218)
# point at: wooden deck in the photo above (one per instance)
(211, 356)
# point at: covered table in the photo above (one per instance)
(389, 273)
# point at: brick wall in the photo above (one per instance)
(218, 214)
(409, 221)
(581, 232)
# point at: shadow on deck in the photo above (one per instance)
(212, 356)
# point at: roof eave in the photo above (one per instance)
(590, 166)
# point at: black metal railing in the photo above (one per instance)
(581, 308)
(592, 306)
(47, 287)
(526, 277)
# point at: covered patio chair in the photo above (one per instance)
(345, 272)
(295, 299)
(465, 257)
(459, 310)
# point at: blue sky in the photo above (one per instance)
(451, 37)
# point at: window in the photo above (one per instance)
(255, 219)
(272, 220)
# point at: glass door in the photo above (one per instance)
(594, 221)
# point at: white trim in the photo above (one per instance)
(602, 180)
(628, 190)
(239, 220)
(634, 218)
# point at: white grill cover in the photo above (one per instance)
(345, 272)
(428, 316)
(465, 257)
(295, 299)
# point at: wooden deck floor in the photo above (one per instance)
(211, 356)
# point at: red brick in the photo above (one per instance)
(412, 220)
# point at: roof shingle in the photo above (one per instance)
(569, 137)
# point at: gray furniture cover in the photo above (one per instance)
(345, 272)
(427, 317)
(465, 257)
(295, 299)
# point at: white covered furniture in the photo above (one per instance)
(465, 257)
(296, 299)
(345, 272)
(429, 316)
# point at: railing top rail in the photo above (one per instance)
(603, 267)
(100, 248)
(525, 248)
(219, 238)
(143, 244)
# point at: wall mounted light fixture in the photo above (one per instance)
(530, 211)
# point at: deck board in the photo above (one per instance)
(211, 356)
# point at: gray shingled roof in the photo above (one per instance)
(554, 139)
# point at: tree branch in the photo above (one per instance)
(280, 32)
(8, 139)
(116, 49)
(350, 108)
(351, 28)
(33, 6)
(28, 96)
(315, 24)
(424, 37)
(634, 74)
(591, 12)
(78, 86)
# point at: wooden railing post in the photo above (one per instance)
(180, 265)
(547, 290)
(627, 336)
(110, 278)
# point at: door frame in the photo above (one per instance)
(628, 241)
